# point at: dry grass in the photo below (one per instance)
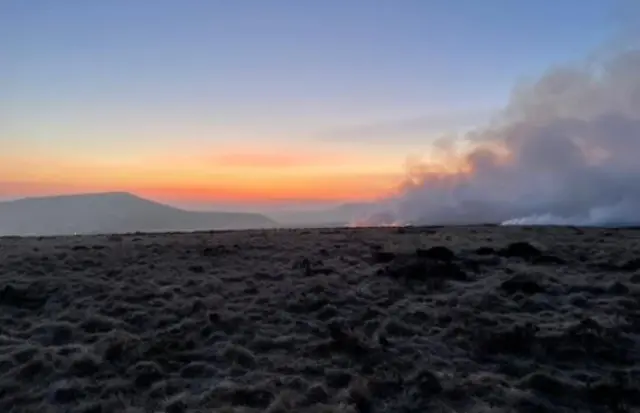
(352, 320)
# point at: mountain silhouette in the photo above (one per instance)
(113, 212)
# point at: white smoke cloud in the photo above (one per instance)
(565, 150)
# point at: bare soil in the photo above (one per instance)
(473, 319)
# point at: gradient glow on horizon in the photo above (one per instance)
(260, 101)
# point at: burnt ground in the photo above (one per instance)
(476, 319)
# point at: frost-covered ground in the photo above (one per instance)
(479, 319)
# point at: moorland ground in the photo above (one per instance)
(455, 319)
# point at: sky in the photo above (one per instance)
(253, 102)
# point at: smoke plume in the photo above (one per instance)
(565, 150)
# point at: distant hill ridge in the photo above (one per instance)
(113, 212)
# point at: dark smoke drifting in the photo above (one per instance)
(565, 150)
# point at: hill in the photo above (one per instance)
(115, 212)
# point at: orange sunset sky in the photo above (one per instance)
(230, 173)
(205, 103)
(192, 171)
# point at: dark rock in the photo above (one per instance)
(345, 340)
(214, 317)
(424, 269)
(61, 333)
(209, 252)
(86, 365)
(608, 393)
(197, 269)
(520, 250)
(327, 312)
(408, 268)
(176, 406)
(513, 340)
(337, 331)
(305, 265)
(439, 253)
(588, 324)
(548, 259)
(427, 382)
(544, 383)
(522, 283)
(198, 306)
(383, 257)
(383, 341)
(196, 369)
(618, 288)
(485, 251)
(146, 373)
(631, 265)
(33, 368)
(322, 270)
(251, 397)
(316, 394)
(361, 400)
(21, 297)
(471, 265)
(337, 378)
(66, 392)
(92, 407)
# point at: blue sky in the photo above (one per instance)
(93, 79)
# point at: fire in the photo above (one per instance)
(381, 219)
(367, 223)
